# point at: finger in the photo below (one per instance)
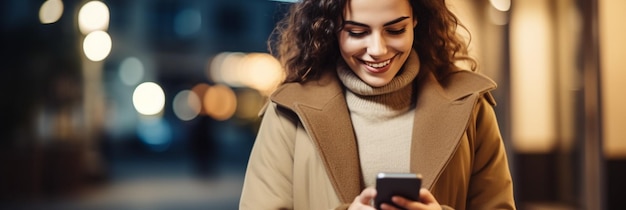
(427, 197)
(403, 202)
(407, 203)
(385, 206)
(367, 195)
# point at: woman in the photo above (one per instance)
(372, 86)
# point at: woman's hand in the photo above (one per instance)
(364, 200)
(427, 202)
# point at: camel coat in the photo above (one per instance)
(305, 155)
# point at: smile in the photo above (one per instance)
(378, 65)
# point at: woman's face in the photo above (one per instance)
(377, 38)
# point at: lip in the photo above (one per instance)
(377, 70)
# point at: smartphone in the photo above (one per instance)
(406, 185)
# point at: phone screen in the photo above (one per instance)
(406, 185)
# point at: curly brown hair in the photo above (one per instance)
(306, 41)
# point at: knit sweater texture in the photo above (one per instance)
(382, 118)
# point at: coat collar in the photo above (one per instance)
(442, 112)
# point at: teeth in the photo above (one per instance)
(379, 65)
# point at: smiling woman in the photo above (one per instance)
(376, 46)
(372, 86)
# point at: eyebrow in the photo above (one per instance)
(397, 20)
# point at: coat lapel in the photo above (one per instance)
(322, 109)
(441, 116)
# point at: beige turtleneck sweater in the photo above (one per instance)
(383, 119)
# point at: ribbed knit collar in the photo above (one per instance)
(404, 77)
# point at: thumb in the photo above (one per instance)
(427, 197)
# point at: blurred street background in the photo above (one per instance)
(131, 104)
(153, 104)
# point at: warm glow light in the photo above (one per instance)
(532, 78)
(149, 98)
(260, 71)
(93, 16)
(200, 91)
(220, 102)
(186, 105)
(50, 11)
(475, 33)
(131, 71)
(97, 45)
(612, 42)
(213, 66)
(497, 17)
(501, 5)
(225, 66)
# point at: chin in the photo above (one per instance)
(377, 83)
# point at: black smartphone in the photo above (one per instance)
(406, 185)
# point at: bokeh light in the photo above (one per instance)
(97, 45)
(200, 90)
(93, 16)
(187, 22)
(155, 133)
(501, 5)
(220, 102)
(149, 98)
(51, 11)
(260, 71)
(131, 71)
(497, 17)
(224, 68)
(186, 105)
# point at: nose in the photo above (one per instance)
(377, 45)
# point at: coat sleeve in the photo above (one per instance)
(491, 185)
(268, 179)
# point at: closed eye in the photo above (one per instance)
(397, 32)
(357, 33)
